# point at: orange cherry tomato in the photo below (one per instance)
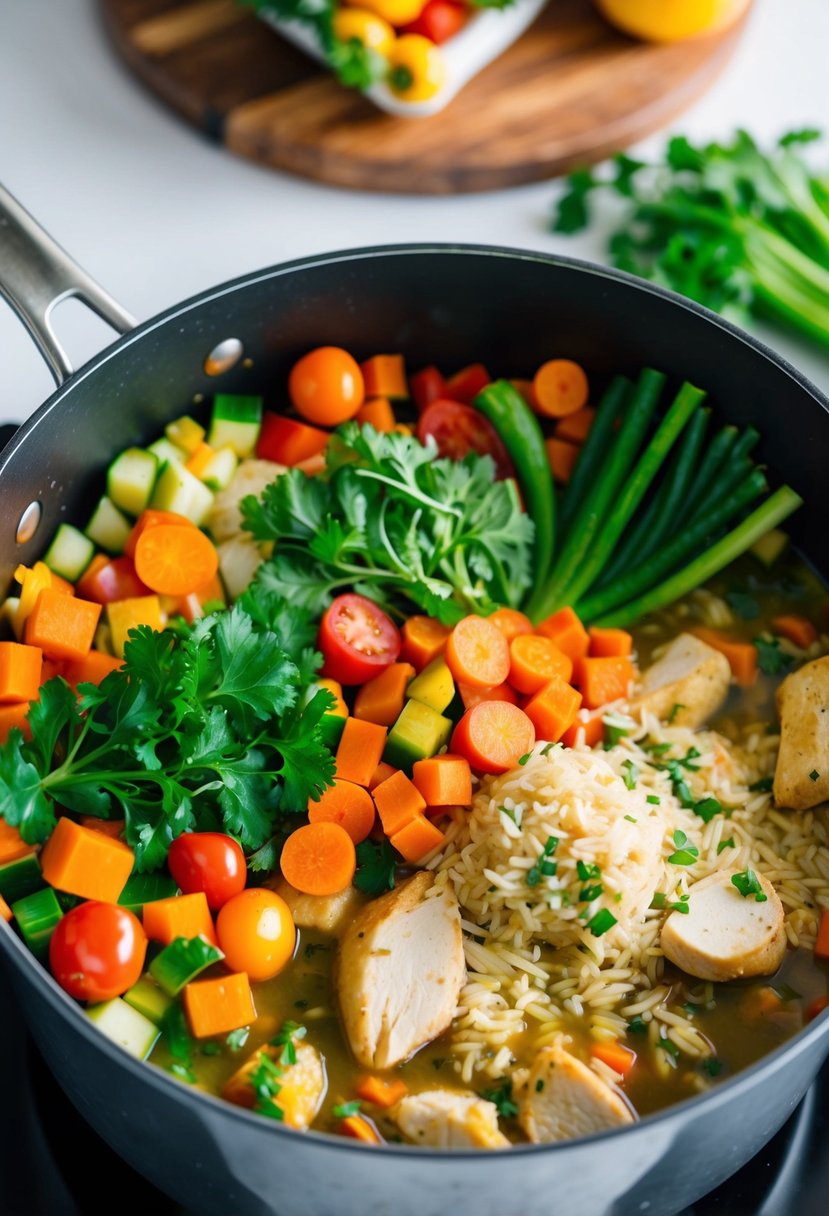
(326, 386)
(256, 932)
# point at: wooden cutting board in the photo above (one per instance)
(570, 91)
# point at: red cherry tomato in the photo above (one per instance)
(357, 640)
(458, 429)
(209, 862)
(439, 21)
(256, 932)
(97, 951)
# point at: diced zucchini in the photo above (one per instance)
(147, 998)
(125, 1026)
(434, 686)
(185, 433)
(20, 878)
(108, 527)
(331, 728)
(69, 553)
(770, 547)
(235, 423)
(141, 889)
(178, 490)
(182, 961)
(220, 470)
(131, 478)
(165, 450)
(36, 916)
(418, 733)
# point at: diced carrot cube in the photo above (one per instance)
(381, 699)
(91, 669)
(62, 626)
(398, 802)
(443, 780)
(575, 428)
(385, 376)
(615, 1055)
(609, 643)
(380, 774)
(567, 631)
(220, 1005)
(590, 726)
(359, 1128)
(381, 1092)
(12, 844)
(553, 709)
(377, 413)
(561, 457)
(416, 839)
(796, 629)
(603, 680)
(86, 863)
(114, 828)
(14, 716)
(742, 656)
(360, 750)
(179, 916)
(20, 670)
(423, 640)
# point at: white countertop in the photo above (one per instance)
(156, 213)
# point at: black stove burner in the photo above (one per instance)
(53, 1164)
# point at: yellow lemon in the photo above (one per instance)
(672, 20)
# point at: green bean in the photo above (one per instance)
(592, 557)
(683, 547)
(712, 462)
(768, 515)
(606, 484)
(594, 448)
(731, 472)
(521, 434)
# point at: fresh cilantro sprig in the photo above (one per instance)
(391, 520)
(197, 730)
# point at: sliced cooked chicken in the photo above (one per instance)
(690, 675)
(725, 935)
(225, 518)
(563, 1099)
(443, 1118)
(301, 1085)
(324, 912)
(801, 779)
(239, 559)
(400, 970)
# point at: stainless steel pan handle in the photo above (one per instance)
(36, 275)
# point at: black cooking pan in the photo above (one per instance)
(447, 305)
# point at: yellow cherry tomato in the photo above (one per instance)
(256, 932)
(416, 68)
(396, 12)
(672, 20)
(365, 27)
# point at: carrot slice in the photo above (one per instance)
(12, 844)
(385, 376)
(359, 1128)
(360, 750)
(219, 1006)
(423, 640)
(63, 626)
(381, 699)
(621, 1059)
(347, 804)
(175, 559)
(609, 643)
(477, 653)
(417, 839)
(20, 671)
(151, 518)
(511, 622)
(822, 940)
(589, 726)
(473, 696)
(377, 413)
(5, 910)
(493, 736)
(560, 387)
(553, 709)
(398, 802)
(561, 457)
(566, 630)
(796, 629)
(534, 660)
(742, 656)
(81, 862)
(603, 680)
(574, 428)
(14, 717)
(179, 916)
(381, 1092)
(319, 859)
(443, 780)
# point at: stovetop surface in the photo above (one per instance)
(53, 1164)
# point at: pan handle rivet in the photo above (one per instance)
(29, 523)
(223, 357)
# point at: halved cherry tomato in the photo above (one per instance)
(111, 581)
(439, 21)
(256, 932)
(326, 386)
(97, 951)
(209, 862)
(459, 429)
(357, 640)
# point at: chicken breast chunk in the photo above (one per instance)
(801, 778)
(301, 1085)
(725, 935)
(443, 1118)
(563, 1099)
(691, 675)
(324, 912)
(399, 972)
